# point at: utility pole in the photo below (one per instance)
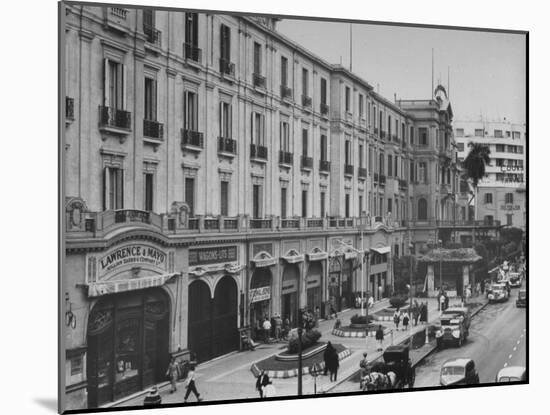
(299, 351)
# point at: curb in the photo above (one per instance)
(357, 334)
(283, 374)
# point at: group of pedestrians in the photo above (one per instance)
(174, 373)
(332, 362)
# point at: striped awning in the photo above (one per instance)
(98, 289)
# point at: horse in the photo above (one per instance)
(378, 381)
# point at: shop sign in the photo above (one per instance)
(259, 294)
(289, 287)
(133, 254)
(313, 281)
(214, 255)
(510, 207)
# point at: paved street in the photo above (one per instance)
(497, 339)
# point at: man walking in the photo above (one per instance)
(380, 338)
(191, 387)
(262, 382)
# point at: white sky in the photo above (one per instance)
(487, 70)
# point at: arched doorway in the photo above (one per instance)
(127, 344)
(289, 293)
(259, 298)
(213, 322)
(313, 286)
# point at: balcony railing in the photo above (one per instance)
(315, 223)
(285, 157)
(286, 92)
(230, 223)
(119, 12)
(259, 80)
(306, 162)
(152, 35)
(113, 117)
(382, 179)
(153, 129)
(132, 215)
(227, 145)
(226, 67)
(324, 109)
(468, 223)
(260, 223)
(211, 224)
(324, 165)
(348, 169)
(258, 152)
(69, 108)
(290, 223)
(192, 138)
(362, 172)
(193, 223)
(191, 52)
(306, 101)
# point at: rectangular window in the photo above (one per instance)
(516, 135)
(113, 188)
(390, 165)
(284, 71)
(460, 132)
(324, 148)
(191, 29)
(381, 206)
(381, 164)
(348, 151)
(422, 172)
(360, 205)
(114, 84)
(190, 111)
(501, 148)
(374, 115)
(148, 203)
(257, 58)
(381, 121)
(323, 212)
(285, 137)
(304, 203)
(411, 172)
(225, 43)
(347, 99)
(423, 136)
(361, 105)
(258, 129)
(361, 155)
(389, 127)
(368, 114)
(509, 219)
(347, 207)
(150, 99)
(305, 81)
(224, 198)
(509, 198)
(479, 132)
(390, 204)
(498, 133)
(304, 143)
(323, 91)
(403, 132)
(460, 146)
(411, 135)
(256, 201)
(283, 202)
(488, 198)
(370, 160)
(190, 195)
(225, 120)
(395, 166)
(76, 365)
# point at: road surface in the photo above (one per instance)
(497, 339)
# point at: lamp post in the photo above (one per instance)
(299, 351)
(411, 251)
(363, 224)
(440, 243)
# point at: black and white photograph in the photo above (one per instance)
(259, 207)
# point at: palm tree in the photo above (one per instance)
(474, 165)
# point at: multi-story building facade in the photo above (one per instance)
(216, 173)
(501, 194)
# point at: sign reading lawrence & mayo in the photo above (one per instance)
(132, 254)
(214, 255)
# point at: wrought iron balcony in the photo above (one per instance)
(153, 129)
(285, 157)
(362, 172)
(152, 35)
(258, 152)
(324, 165)
(259, 80)
(191, 52)
(226, 67)
(290, 223)
(227, 145)
(132, 215)
(324, 109)
(113, 117)
(306, 162)
(315, 223)
(306, 101)
(191, 138)
(348, 169)
(69, 108)
(286, 92)
(260, 223)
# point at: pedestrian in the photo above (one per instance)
(405, 321)
(441, 301)
(153, 398)
(334, 365)
(267, 329)
(416, 314)
(327, 356)
(172, 374)
(272, 322)
(397, 318)
(363, 364)
(333, 312)
(380, 338)
(191, 386)
(278, 326)
(262, 382)
(269, 390)
(317, 316)
(371, 302)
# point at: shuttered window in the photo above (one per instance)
(113, 188)
(224, 198)
(150, 99)
(149, 192)
(190, 195)
(283, 202)
(190, 111)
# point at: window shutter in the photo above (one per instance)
(106, 82)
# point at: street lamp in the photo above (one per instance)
(440, 243)
(363, 225)
(411, 251)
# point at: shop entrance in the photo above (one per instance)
(289, 294)
(259, 299)
(347, 296)
(127, 345)
(213, 322)
(313, 286)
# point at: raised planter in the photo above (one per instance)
(311, 351)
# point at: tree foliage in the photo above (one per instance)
(475, 162)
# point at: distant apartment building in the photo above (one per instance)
(501, 194)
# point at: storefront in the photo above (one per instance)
(314, 292)
(289, 293)
(259, 297)
(346, 283)
(379, 282)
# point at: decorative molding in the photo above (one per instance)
(171, 72)
(86, 35)
(113, 45)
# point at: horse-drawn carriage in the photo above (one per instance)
(394, 372)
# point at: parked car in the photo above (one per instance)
(522, 298)
(515, 279)
(453, 327)
(459, 371)
(511, 374)
(498, 292)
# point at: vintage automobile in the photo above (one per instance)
(522, 299)
(515, 279)
(459, 371)
(498, 292)
(453, 327)
(394, 372)
(511, 374)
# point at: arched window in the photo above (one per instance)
(422, 209)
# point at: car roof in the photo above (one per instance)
(515, 371)
(459, 361)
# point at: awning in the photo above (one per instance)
(293, 257)
(263, 259)
(382, 250)
(98, 289)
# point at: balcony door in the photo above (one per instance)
(113, 80)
